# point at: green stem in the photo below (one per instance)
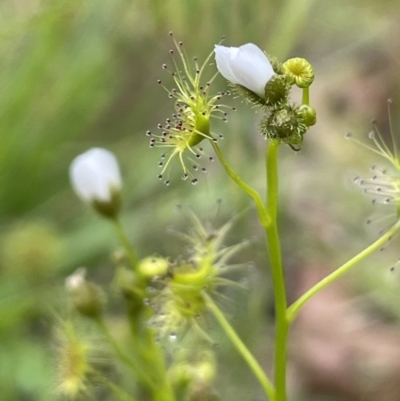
(273, 243)
(153, 357)
(117, 390)
(121, 355)
(151, 362)
(272, 178)
(241, 348)
(246, 188)
(133, 259)
(268, 219)
(294, 309)
(306, 96)
(150, 356)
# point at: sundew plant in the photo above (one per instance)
(173, 304)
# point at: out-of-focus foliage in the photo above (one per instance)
(80, 73)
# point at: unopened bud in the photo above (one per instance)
(152, 266)
(299, 71)
(132, 288)
(96, 179)
(206, 369)
(284, 124)
(181, 374)
(307, 114)
(87, 298)
(276, 90)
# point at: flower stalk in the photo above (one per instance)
(264, 218)
(128, 248)
(278, 278)
(295, 308)
(268, 220)
(241, 348)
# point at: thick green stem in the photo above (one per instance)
(273, 243)
(268, 219)
(242, 349)
(133, 259)
(294, 309)
(246, 188)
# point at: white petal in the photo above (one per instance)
(94, 174)
(246, 65)
(223, 57)
(253, 68)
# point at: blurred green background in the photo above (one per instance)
(81, 73)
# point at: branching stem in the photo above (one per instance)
(294, 309)
(241, 348)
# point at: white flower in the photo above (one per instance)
(96, 179)
(246, 65)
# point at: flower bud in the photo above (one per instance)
(284, 124)
(132, 289)
(181, 374)
(152, 266)
(247, 66)
(276, 90)
(206, 369)
(87, 298)
(198, 372)
(96, 179)
(307, 114)
(299, 71)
